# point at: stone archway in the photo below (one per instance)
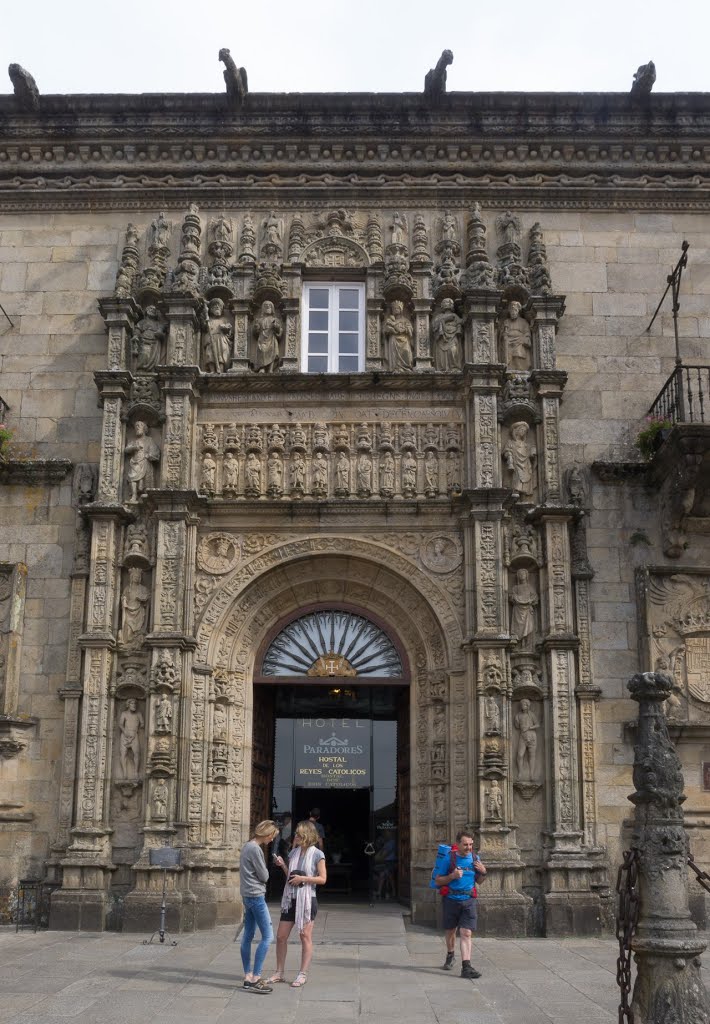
(263, 590)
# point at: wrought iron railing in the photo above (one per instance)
(685, 397)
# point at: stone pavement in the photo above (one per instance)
(368, 966)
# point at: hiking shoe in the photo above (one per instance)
(259, 988)
(470, 972)
(449, 962)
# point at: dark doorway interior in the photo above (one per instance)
(345, 816)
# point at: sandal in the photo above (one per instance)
(300, 980)
(276, 979)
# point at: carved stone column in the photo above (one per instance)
(166, 775)
(549, 385)
(547, 310)
(183, 330)
(179, 394)
(479, 327)
(666, 945)
(86, 869)
(373, 335)
(120, 317)
(491, 798)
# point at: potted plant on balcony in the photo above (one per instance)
(5, 439)
(653, 434)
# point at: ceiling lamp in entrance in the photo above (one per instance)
(332, 644)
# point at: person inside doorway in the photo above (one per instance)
(305, 870)
(253, 876)
(459, 904)
(314, 818)
(384, 867)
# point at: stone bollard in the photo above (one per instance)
(666, 945)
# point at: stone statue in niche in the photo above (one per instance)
(147, 340)
(576, 486)
(163, 714)
(494, 802)
(217, 806)
(272, 230)
(398, 333)
(298, 473)
(342, 475)
(130, 723)
(216, 339)
(274, 475)
(387, 475)
(134, 609)
(409, 475)
(268, 329)
(364, 475)
(209, 474)
(220, 722)
(520, 458)
(320, 475)
(526, 752)
(398, 229)
(160, 799)
(523, 599)
(252, 475)
(492, 715)
(453, 475)
(514, 338)
(144, 455)
(431, 474)
(230, 474)
(446, 334)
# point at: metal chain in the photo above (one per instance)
(702, 876)
(626, 920)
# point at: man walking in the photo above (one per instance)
(459, 903)
(314, 818)
(253, 876)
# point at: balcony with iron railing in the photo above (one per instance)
(685, 397)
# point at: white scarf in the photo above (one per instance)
(307, 891)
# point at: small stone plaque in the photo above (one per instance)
(706, 775)
(165, 857)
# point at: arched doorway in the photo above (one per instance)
(330, 730)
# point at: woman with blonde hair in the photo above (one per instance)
(253, 876)
(299, 906)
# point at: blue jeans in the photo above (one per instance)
(256, 915)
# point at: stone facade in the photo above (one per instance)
(178, 484)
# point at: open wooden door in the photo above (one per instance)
(404, 852)
(262, 768)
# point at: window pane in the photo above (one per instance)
(349, 298)
(318, 320)
(348, 364)
(318, 298)
(318, 343)
(348, 343)
(317, 364)
(348, 320)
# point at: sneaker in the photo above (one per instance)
(449, 962)
(470, 972)
(259, 988)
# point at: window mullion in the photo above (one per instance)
(333, 329)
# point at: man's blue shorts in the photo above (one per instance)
(460, 913)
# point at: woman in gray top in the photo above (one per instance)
(253, 876)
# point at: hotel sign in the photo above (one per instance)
(332, 753)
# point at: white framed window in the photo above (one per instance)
(333, 335)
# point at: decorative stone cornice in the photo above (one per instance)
(576, 150)
(31, 472)
(619, 472)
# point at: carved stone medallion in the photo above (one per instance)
(441, 554)
(218, 553)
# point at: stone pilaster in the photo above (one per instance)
(546, 311)
(549, 387)
(114, 388)
(479, 327)
(120, 317)
(179, 395)
(86, 869)
(373, 312)
(183, 330)
(291, 360)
